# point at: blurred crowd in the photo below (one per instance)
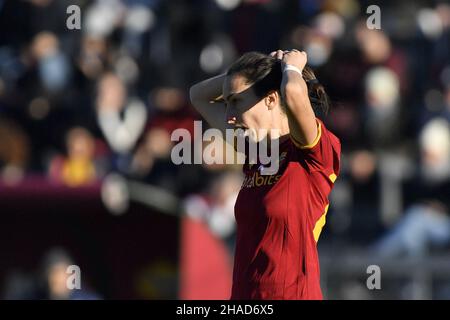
(76, 105)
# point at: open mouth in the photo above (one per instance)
(240, 126)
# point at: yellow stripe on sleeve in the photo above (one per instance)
(312, 144)
(332, 177)
(319, 224)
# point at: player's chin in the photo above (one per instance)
(240, 132)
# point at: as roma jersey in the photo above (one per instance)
(279, 219)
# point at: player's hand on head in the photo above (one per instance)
(277, 54)
(295, 57)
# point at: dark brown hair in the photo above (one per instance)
(263, 72)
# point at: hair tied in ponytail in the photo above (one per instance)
(312, 81)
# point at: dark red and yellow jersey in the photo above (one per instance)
(279, 219)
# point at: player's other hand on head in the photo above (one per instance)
(293, 57)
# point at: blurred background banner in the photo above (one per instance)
(86, 117)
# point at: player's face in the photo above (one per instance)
(244, 108)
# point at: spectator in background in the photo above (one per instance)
(49, 281)
(112, 102)
(53, 66)
(382, 107)
(92, 57)
(14, 151)
(151, 161)
(78, 167)
(54, 278)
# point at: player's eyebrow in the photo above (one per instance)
(240, 94)
(230, 96)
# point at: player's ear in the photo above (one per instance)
(271, 99)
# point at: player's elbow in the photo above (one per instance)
(193, 94)
(195, 97)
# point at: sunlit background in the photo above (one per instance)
(86, 118)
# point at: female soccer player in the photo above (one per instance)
(279, 217)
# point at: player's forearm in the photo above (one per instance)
(300, 112)
(207, 90)
(201, 95)
(295, 92)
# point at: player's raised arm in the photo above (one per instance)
(301, 117)
(205, 96)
